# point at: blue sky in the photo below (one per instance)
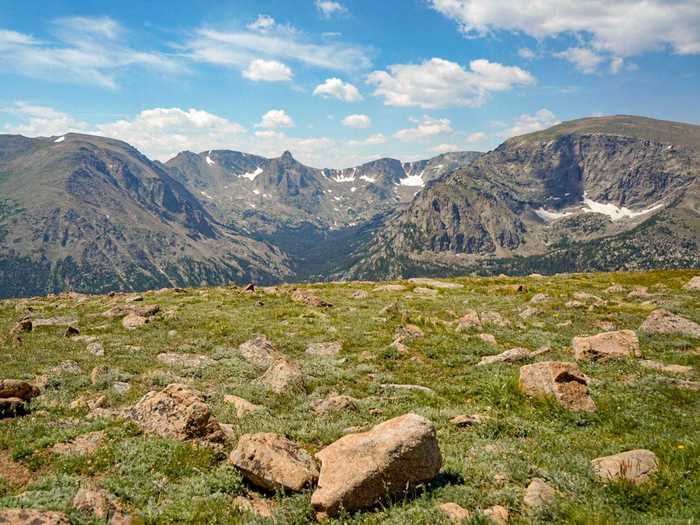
(340, 82)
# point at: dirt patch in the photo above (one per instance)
(14, 473)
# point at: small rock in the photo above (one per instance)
(489, 339)
(493, 318)
(81, 445)
(498, 514)
(243, 406)
(606, 326)
(606, 345)
(418, 388)
(426, 292)
(121, 387)
(564, 381)
(539, 298)
(615, 288)
(96, 349)
(433, 283)
(680, 383)
(634, 465)
(359, 294)
(528, 312)
(672, 369)
(639, 292)
(284, 376)
(464, 421)
(693, 285)
(359, 470)
(32, 517)
(509, 356)
(470, 319)
(172, 333)
(308, 298)
(390, 288)
(133, 321)
(408, 331)
(259, 351)
(71, 331)
(273, 462)
(664, 322)
(538, 495)
(324, 349)
(23, 325)
(334, 403)
(255, 505)
(454, 512)
(67, 367)
(99, 502)
(185, 360)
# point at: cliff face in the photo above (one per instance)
(536, 193)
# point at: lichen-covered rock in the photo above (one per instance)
(259, 351)
(633, 465)
(324, 349)
(243, 406)
(564, 381)
(359, 470)
(509, 356)
(284, 376)
(32, 517)
(334, 403)
(538, 495)
(664, 322)
(606, 345)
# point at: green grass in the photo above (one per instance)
(164, 481)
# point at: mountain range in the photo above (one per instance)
(87, 213)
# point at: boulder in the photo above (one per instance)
(13, 407)
(133, 321)
(489, 339)
(308, 298)
(664, 322)
(99, 502)
(509, 356)
(284, 376)
(498, 514)
(564, 381)
(32, 517)
(389, 288)
(243, 406)
(539, 298)
(22, 390)
(324, 349)
(693, 285)
(96, 349)
(259, 351)
(633, 465)
(434, 283)
(464, 421)
(606, 345)
(455, 513)
(538, 495)
(178, 412)
(470, 319)
(359, 470)
(273, 462)
(334, 403)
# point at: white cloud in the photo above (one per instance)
(526, 53)
(263, 23)
(444, 148)
(372, 140)
(357, 121)
(621, 27)
(275, 118)
(267, 71)
(477, 137)
(281, 43)
(616, 65)
(334, 87)
(541, 119)
(439, 83)
(85, 50)
(583, 58)
(40, 121)
(428, 127)
(329, 8)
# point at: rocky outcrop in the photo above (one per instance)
(664, 322)
(359, 470)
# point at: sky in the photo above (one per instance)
(339, 83)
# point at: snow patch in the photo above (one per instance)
(552, 215)
(252, 174)
(345, 178)
(257, 192)
(353, 189)
(60, 139)
(368, 179)
(413, 180)
(208, 159)
(615, 213)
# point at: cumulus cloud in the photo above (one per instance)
(267, 71)
(477, 137)
(262, 23)
(525, 123)
(583, 58)
(336, 88)
(427, 127)
(328, 8)
(357, 121)
(444, 148)
(526, 53)
(84, 50)
(275, 118)
(439, 83)
(623, 27)
(38, 120)
(616, 65)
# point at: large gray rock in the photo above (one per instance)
(359, 470)
(273, 462)
(564, 381)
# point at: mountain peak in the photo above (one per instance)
(287, 156)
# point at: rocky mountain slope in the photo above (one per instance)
(601, 193)
(538, 400)
(86, 213)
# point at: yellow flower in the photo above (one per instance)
(680, 446)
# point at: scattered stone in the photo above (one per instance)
(359, 294)
(359, 470)
(14, 388)
(454, 512)
(639, 292)
(258, 506)
(588, 298)
(99, 374)
(538, 495)
(539, 298)
(284, 376)
(493, 318)
(249, 288)
(664, 322)
(606, 345)
(564, 381)
(418, 388)
(23, 325)
(178, 412)
(693, 285)
(672, 369)
(71, 331)
(680, 383)
(615, 288)
(633, 465)
(606, 326)
(408, 331)
(464, 421)
(528, 312)
(434, 283)
(81, 445)
(390, 288)
(498, 514)
(96, 349)
(67, 367)
(489, 339)
(99, 502)
(470, 319)
(308, 298)
(334, 403)
(324, 349)
(574, 304)
(243, 406)
(509, 356)
(133, 321)
(13, 407)
(55, 321)
(32, 517)
(121, 387)
(259, 351)
(426, 292)
(272, 462)
(185, 360)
